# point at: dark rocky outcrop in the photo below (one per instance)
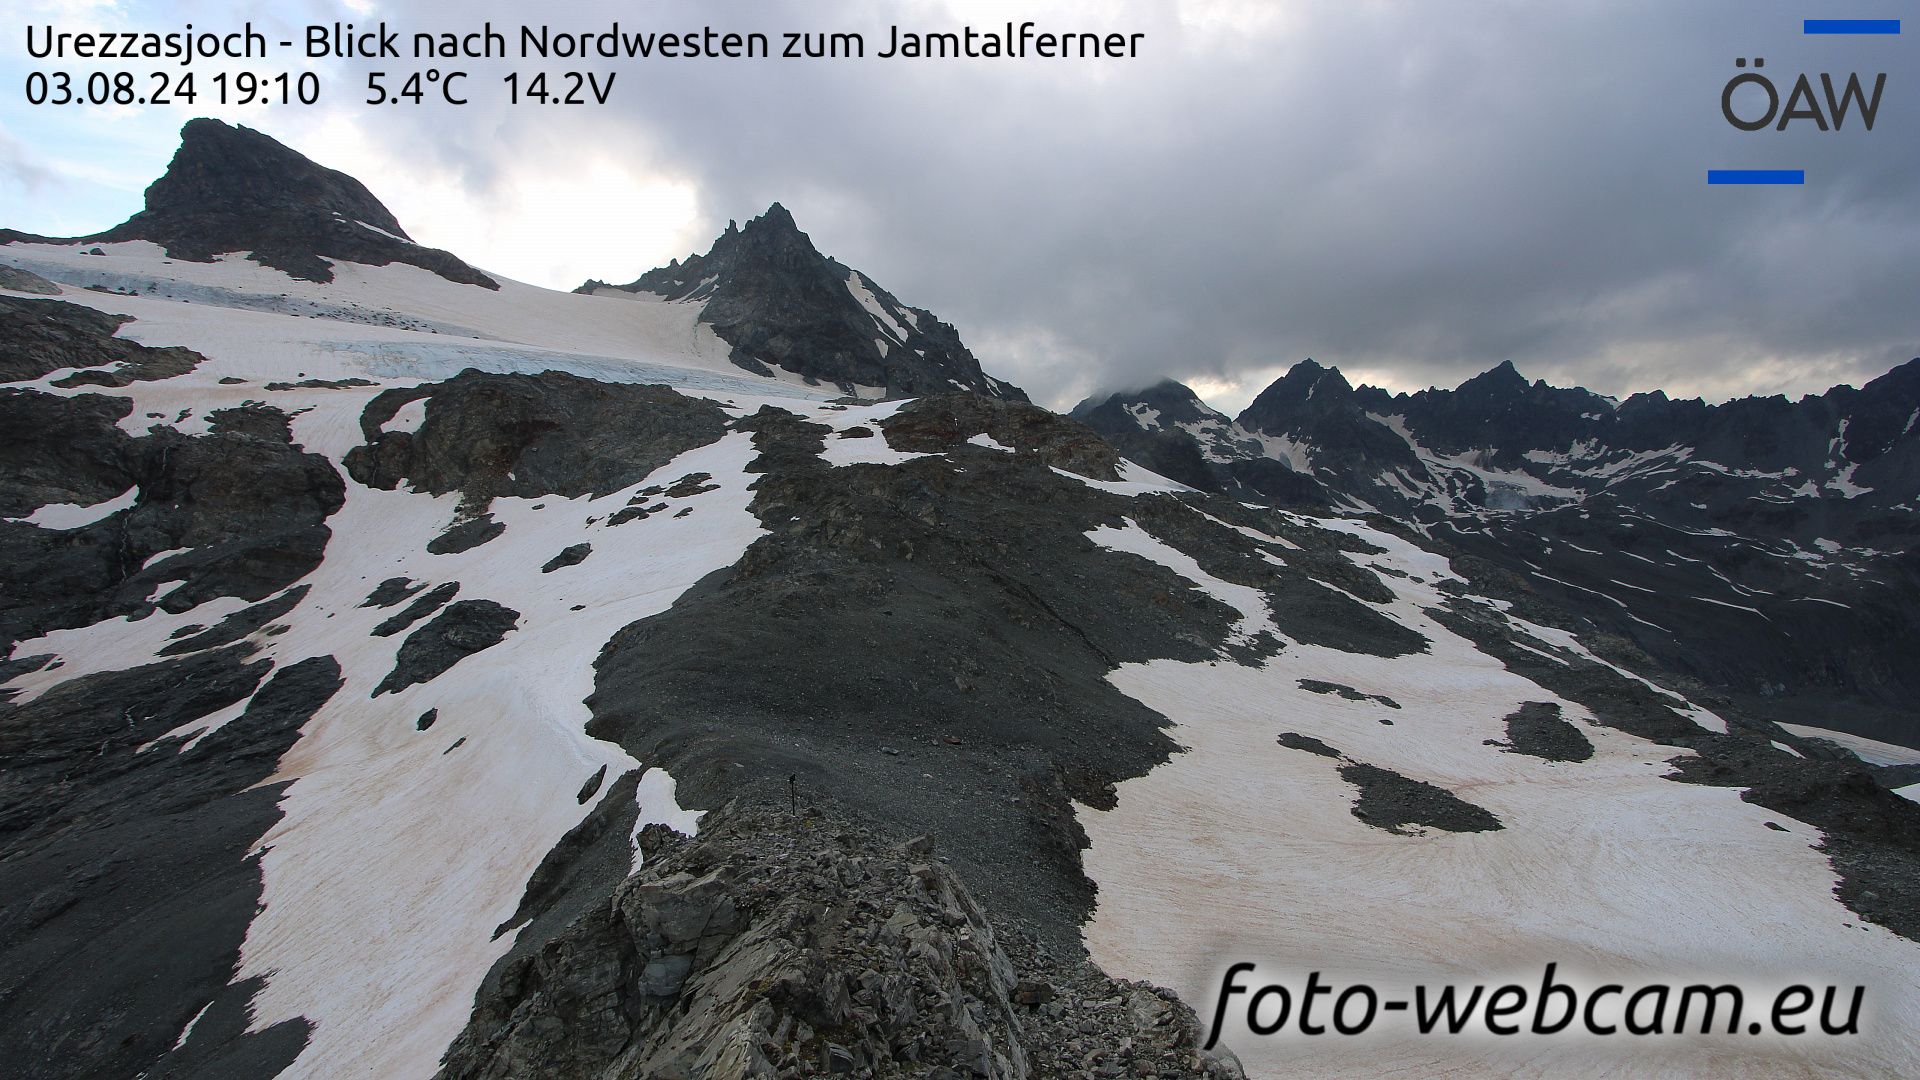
(1537, 730)
(130, 876)
(14, 279)
(240, 624)
(800, 945)
(39, 337)
(392, 591)
(529, 435)
(233, 189)
(571, 555)
(249, 507)
(944, 423)
(458, 632)
(465, 535)
(780, 303)
(1393, 802)
(1318, 686)
(1293, 740)
(419, 609)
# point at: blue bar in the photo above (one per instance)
(1756, 176)
(1850, 26)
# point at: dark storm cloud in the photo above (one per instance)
(1414, 190)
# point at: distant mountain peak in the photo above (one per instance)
(232, 189)
(1306, 385)
(1502, 377)
(1171, 402)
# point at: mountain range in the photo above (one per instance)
(1763, 548)
(409, 672)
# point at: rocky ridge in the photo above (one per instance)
(791, 941)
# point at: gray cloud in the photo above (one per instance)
(1415, 190)
(19, 166)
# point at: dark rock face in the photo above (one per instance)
(582, 871)
(39, 337)
(417, 610)
(137, 870)
(465, 535)
(240, 624)
(1293, 740)
(804, 945)
(937, 425)
(56, 450)
(571, 555)
(249, 505)
(458, 632)
(530, 435)
(14, 279)
(780, 303)
(1317, 686)
(1392, 802)
(233, 189)
(1537, 730)
(391, 592)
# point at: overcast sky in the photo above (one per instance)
(1410, 191)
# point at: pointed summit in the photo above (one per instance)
(1307, 386)
(1501, 378)
(769, 293)
(1315, 405)
(233, 189)
(776, 217)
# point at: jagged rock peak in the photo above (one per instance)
(1501, 377)
(776, 217)
(769, 293)
(1305, 384)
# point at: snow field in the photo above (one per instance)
(1602, 866)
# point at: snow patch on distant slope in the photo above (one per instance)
(1134, 480)
(1871, 751)
(861, 290)
(1134, 540)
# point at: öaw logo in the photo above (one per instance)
(1802, 104)
(1753, 101)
